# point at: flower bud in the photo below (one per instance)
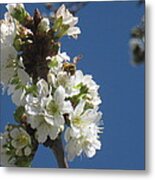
(18, 12)
(44, 25)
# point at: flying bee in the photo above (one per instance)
(77, 58)
(69, 68)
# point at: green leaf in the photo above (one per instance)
(88, 106)
(63, 31)
(17, 44)
(31, 90)
(57, 24)
(82, 95)
(84, 89)
(15, 80)
(78, 86)
(19, 113)
(20, 14)
(53, 63)
(19, 86)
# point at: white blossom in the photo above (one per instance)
(4, 155)
(67, 101)
(7, 31)
(71, 83)
(35, 104)
(12, 6)
(87, 143)
(43, 129)
(92, 94)
(21, 141)
(46, 111)
(56, 106)
(57, 61)
(68, 19)
(17, 95)
(82, 135)
(8, 53)
(44, 25)
(68, 82)
(15, 142)
(8, 58)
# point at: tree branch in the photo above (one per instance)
(59, 153)
(57, 147)
(34, 58)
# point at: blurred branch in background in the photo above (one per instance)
(137, 42)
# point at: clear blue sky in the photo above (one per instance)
(104, 44)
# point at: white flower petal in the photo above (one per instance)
(12, 6)
(97, 144)
(71, 151)
(49, 120)
(19, 152)
(67, 107)
(68, 19)
(53, 132)
(59, 120)
(79, 108)
(27, 151)
(90, 152)
(14, 133)
(59, 95)
(35, 121)
(44, 25)
(72, 31)
(64, 56)
(42, 133)
(16, 97)
(42, 87)
(60, 11)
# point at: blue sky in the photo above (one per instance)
(104, 41)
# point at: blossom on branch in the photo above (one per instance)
(16, 146)
(82, 135)
(52, 96)
(11, 65)
(64, 17)
(46, 109)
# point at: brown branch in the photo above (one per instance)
(57, 147)
(34, 58)
(59, 153)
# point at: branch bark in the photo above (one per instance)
(34, 59)
(57, 147)
(58, 151)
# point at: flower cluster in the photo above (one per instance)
(66, 99)
(64, 17)
(51, 95)
(16, 146)
(9, 69)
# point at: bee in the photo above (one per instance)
(69, 68)
(77, 58)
